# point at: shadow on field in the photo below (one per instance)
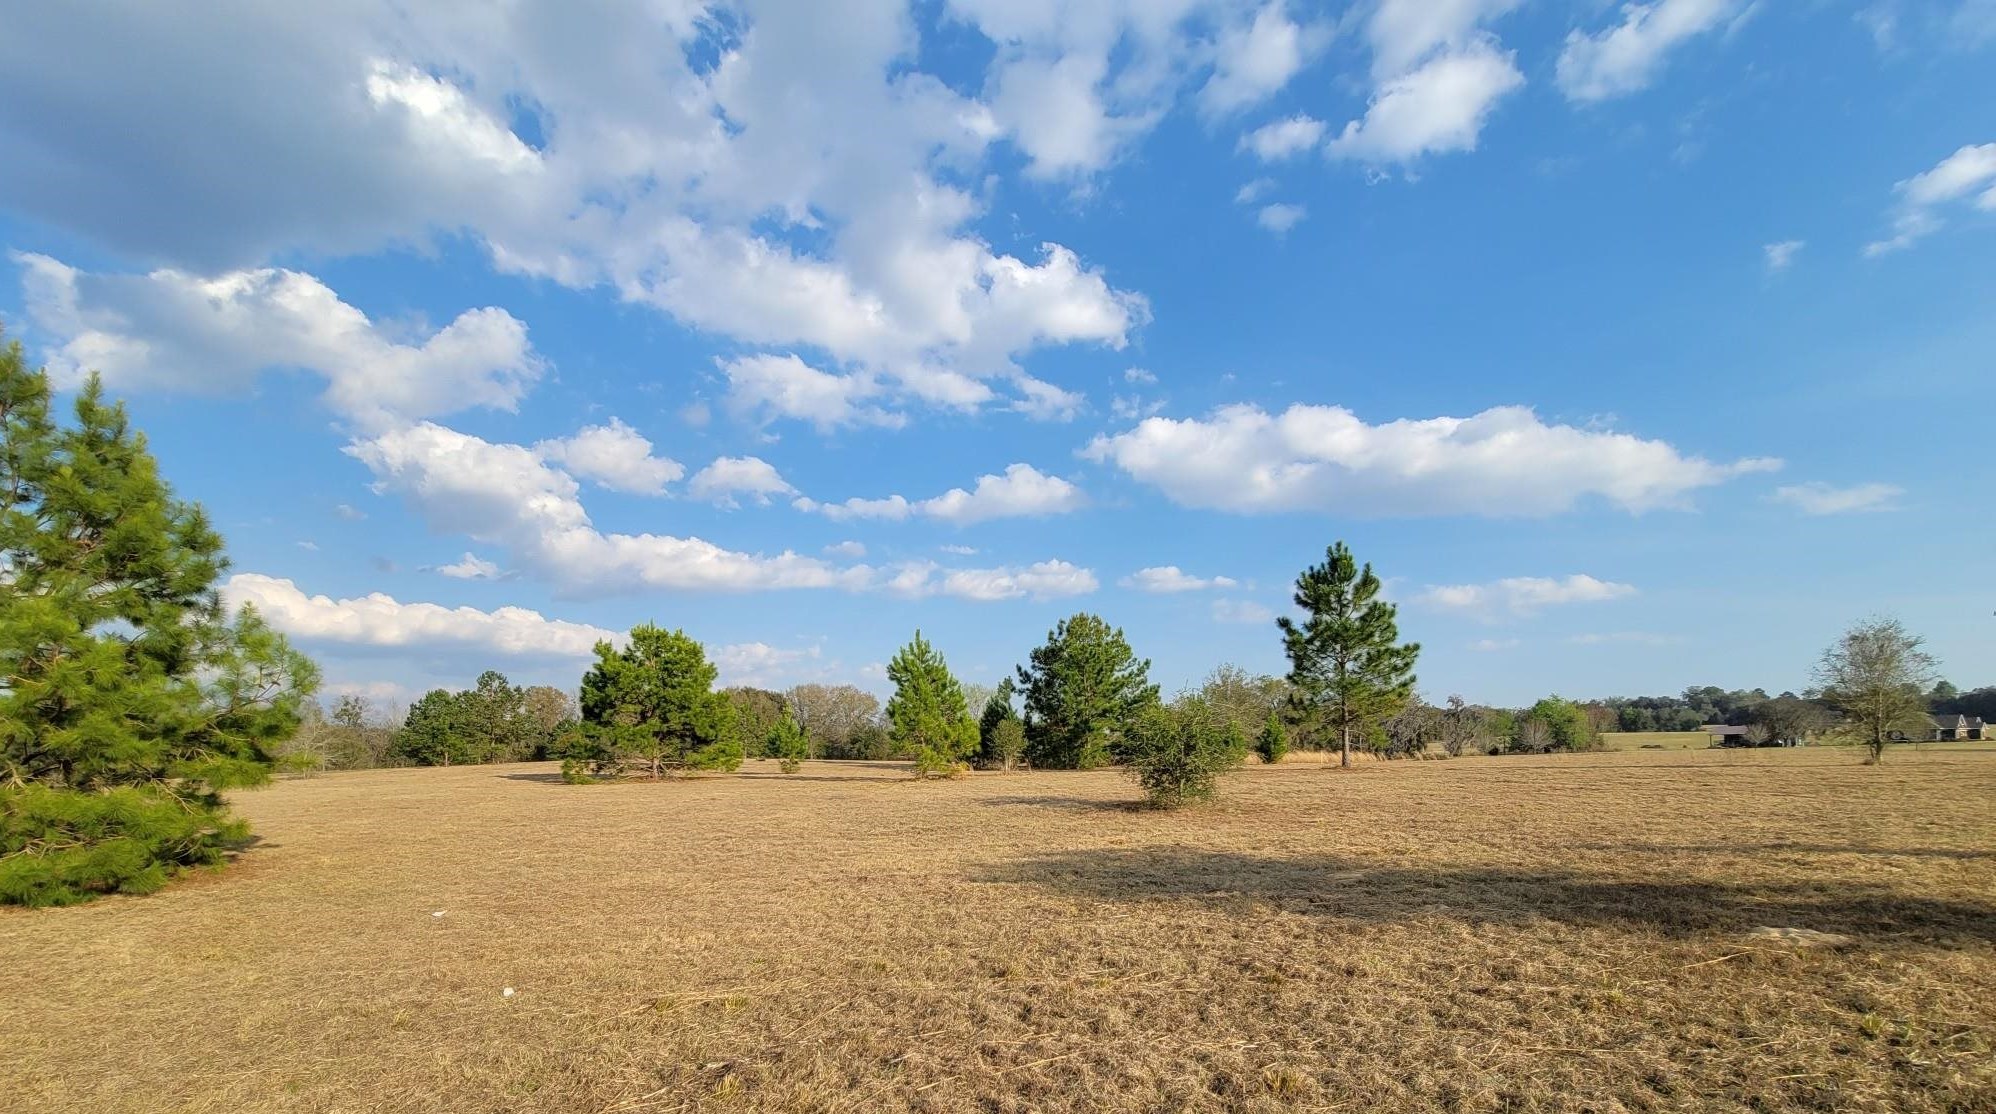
(1071, 804)
(544, 779)
(1789, 848)
(1350, 889)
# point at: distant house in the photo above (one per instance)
(1726, 735)
(1956, 727)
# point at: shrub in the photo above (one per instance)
(60, 847)
(1273, 742)
(1176, 754)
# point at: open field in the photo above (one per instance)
(1559, 933)
(1666, 740)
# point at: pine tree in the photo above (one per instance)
(1083, 688)
(434, 731)
(926, 715)
(653, 704)
(1001, 737)
(1347, 669)
(788, 743)
(1273, 742)
(129, 698)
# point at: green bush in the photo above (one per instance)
(1274, 741)
(61, 847)
(1177, 753)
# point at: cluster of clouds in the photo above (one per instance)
(1520, 596)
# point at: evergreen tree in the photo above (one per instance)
(926, 715)
(788, 743)
(1177, 753)
(1273, 742)
(998, 749)
(1347, 669)
(756, 713)
(653, 704)
(1082, 688)
(434, 732)
(129, 698)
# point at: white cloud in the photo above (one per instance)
(1440, 106)
(1244, 612)
(507, 495)
(471, 567)
(1781, 256)
(1042, 580)
(1280, 218)
(1253, 60)
(765, 666)
(730, 476)
(1970, 170)
(1284, 138)
(349, 512)
(708, 171)
(764, 388)
(1045, 402)
(1022, 491)
(1627, 57)
(381, 621)
(846, 549)
(959, 550)
(1493, 645)
(1502, 462)
(1140, 376)
(1521, 595)
(1403, 33)
(1822, 498)
(173, 331)
(1170, 578)
(615, 456)
(1253, 191)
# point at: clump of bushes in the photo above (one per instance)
(1177, 753)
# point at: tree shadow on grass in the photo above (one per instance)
(1781, 847)
(1357, 890)
(1072, 804)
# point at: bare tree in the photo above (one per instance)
(1412, 728)
(1874, 676)
(1758, 735)
(1534, 735)
(1463, 727)
(832, 716)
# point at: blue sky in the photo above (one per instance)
(1637, 346)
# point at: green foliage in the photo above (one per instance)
(788, 743)
(126, 688)
(1566, 723)
(1348, 670)
(926, 714)
(999, 747)
(756, 713)
(493, 721)
(1873, 677)
(652, 707)
(1177, 753)
(1273, 742)
(1083, 689)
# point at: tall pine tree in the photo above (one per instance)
(1348, 670)
(927, 714)
(129, 698)
(1083, 689)
(653, 705)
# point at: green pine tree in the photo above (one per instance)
(652, 705)
(129, 698)
(1348, 670)
(1273, 742)
(788, 743)
(1001, 738)
(1083, 688)
(926, 716)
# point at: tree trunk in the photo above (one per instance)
(1346, 760)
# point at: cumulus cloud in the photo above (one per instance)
(1255, 59)
(1280, 218)
(1925, 196)
(765, 666)
(1502, 462)
(383, 622)
(1042, 580)
(1626, 58)
(471, 567)
(1822, 498)
(731, 476)
(1284, 138)
(1170, 578)
(615, 456)
(1244, 612)
(1521, 595)
(764, 388)
(1439, 106)
(1493, 645)
(169, 330)
(848, 548)
(1781, 256)
(1022, 491)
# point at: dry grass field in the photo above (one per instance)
(1655, 740)
(1486, 934)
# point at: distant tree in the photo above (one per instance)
(996, 749)
(1347, 668)
(926, 714)
(1082, 689)
(1464, 727)
(130, 698)
(1566, 722)
(653, 705)
(1758, 735)
(1409, 730)
(433, 733)
(494, 723)
(787, 742)
(546, 714)
(1177, 753)
(1273, 742)
(839, 720)
(977, 697)
(756, 713)
(1241, 698)
(1790, 719)
(1875, 676)
(1942, 692)
(1533, 736)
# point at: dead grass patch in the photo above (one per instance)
(1559, 933)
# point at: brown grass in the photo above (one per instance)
(1561, 933)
